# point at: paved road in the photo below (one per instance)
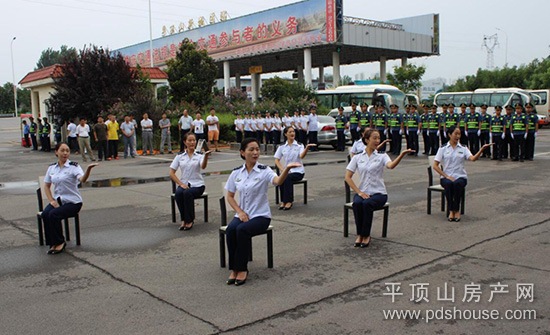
(135, 273)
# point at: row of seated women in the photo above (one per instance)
(251, 182)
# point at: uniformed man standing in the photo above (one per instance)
(380, 122)
(413, 130)
(32, 130)
(46, 130)
(473, 128)
(354, 118)
(451, 119)
(365, 119)
(508, 143)
(485, 120)
(424, 125)
(533, 125)
(519, 125)
(395, 122)
(341, 121)
(497, 133)
(462, 125)
(442, 119)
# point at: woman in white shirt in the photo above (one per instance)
(190, 183)
(65, 201)
(290, 152)
(239, 128)
(253, 215)
(449, 163)
(371, 193)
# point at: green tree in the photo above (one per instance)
(346, 80)
(6, 99)
(191, 75)
(92, 83)
(279, 89)
(50, 56)
(407, 78)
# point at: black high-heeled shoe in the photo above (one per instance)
(365, 245)
(55, 252)
(239, 282)
(231, 281)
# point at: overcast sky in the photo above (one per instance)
(41, 24)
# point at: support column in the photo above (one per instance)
(238, 80)
(335, 69)
(307, 67)
(255, 85)
(382, 70)
(321, 74)
(226, 77)
(300, 71)
(404, 61)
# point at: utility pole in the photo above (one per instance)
(490, 42)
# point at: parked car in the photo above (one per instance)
(327, 131)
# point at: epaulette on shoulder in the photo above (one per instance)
(73, 163)
(198, 153)
(238, 167)
(53, 164)
(181, 152)
(262, 167)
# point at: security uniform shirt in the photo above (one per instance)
(379, 121)
(412, 121)
(364, 120)
(370, 170)
(497, 124)
(519, 124)
(452, 160)
(291, 154)
(65, 180)
(341, 121)
(252, 189)
(433, 122)
(190, 168)
(354, 117)
(485, 121)
(532, 120)
(450, 119)
(395, 120)
(472, 121)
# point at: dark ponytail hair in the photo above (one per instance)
(367, 134)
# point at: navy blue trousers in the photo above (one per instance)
(52, 218)
(185, 198)
(363, 210)
(287, 188)
(453, 192)
(239, 240)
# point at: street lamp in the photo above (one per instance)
(506, 47)
(13, 77)
(150, 34)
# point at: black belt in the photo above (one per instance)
(84, 136)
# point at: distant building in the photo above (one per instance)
(431, 87)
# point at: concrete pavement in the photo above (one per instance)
(135, 273)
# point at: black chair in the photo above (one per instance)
(40, 223)
(349, 206)
(277, 188)
(440, 189)
(222, 231)
(204, 196)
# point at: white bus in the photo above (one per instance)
(490, 96)
(542, 105)
(369, 94)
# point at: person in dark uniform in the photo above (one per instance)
(365, 119)
(371, 193)
(497, 135)
(40, 133)
(253, 215)
(65, 201)
(57, 131)
(424, 125)
(473, 128)
(354, 118)
(451, 119)
(434, 124)
(449, 163)
(519, 126)
(442, 119)
(46, 131)
(533, 125)
(190, 183)
(395, 123)
(380, 123)
(341, 121)
(32, 129)
(413, 130)
(508, 143)
(462, 116)
(485, 120)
